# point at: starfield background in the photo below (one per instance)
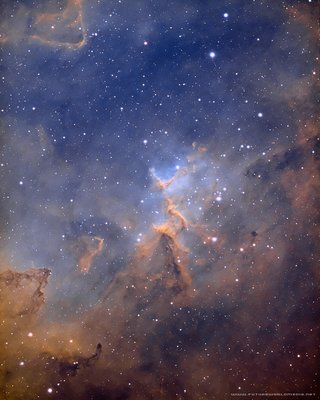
(159, 180)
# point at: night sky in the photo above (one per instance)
(159, 199)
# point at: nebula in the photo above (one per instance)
(88, 248)
(159, 182)
(50, 24)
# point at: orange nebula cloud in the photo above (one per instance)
(164, 184)
(174, 212)
(306, 16)
(161, 185)
(175, 274)
(176, 222)
(90, 248)
(22, 292)
(63, 28)
(200, 148)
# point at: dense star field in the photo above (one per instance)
(159, 182)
